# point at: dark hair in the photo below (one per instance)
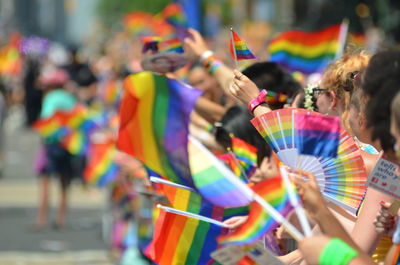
(236, 121)
(270, 76)
(381, 82)
(85, 76)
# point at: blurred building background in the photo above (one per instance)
(68, 21)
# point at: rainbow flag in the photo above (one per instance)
(150, 43)
(260, 222)
(306, 52)
(76, 142)
(246, 154)
(317, 135)
(214, 180)
(174, 14)
(172, 45)
(101, 168)
(241, 52)
(275, 98)
(182, 240)
(138, 22)
(154, 113)
(193, 240)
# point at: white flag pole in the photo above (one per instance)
(192, 215)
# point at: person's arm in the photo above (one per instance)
(325, 250)
(364, 233)
(209, 110)
(197, 47)
(316, 208)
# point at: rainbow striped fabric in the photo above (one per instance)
(70, 128)
(317, 135)
(306, 52)
(193, 240)
(150, 43)
(260, 222)
(214, 180)
(174, 14)
(246, 154)
(101, 168)
(182, 240)
(172, 45)
(154, 112)
(242, 52)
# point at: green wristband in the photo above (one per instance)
(336, 252)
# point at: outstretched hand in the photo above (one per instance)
(236, 221)
(243, 88)
(195, 45)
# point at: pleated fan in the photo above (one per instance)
(341, 178)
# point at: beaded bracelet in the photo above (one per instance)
(211, 64)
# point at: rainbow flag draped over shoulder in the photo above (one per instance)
(306, 52)
(154, 112)
(260, 222)
(242, 52)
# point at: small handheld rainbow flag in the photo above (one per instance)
(172, 45)
(260, 222)
(246, 154)
(239, 50)
(101, 168)
(150, 43)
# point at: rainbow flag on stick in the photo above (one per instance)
(172, 45)
(308, 52)
(154, 112)
(101, 168)
(239, 50)
(246, 154)
(260, 222)
(150, 43)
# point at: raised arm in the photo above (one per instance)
(197, 48)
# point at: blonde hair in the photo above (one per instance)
(339, 78)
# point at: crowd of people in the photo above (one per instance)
(360, 88)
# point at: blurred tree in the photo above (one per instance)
(112, 10)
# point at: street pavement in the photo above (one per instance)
(83, 241)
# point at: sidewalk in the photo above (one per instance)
(80, 242)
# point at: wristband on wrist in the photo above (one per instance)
(211, 64)
(205, 54)
(257, 101)
(336, 252)
(209, 127)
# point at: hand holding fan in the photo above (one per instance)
(299, 143)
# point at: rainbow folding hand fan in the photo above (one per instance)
(341, 178)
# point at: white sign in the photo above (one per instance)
(232, 254)
(384, 179)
